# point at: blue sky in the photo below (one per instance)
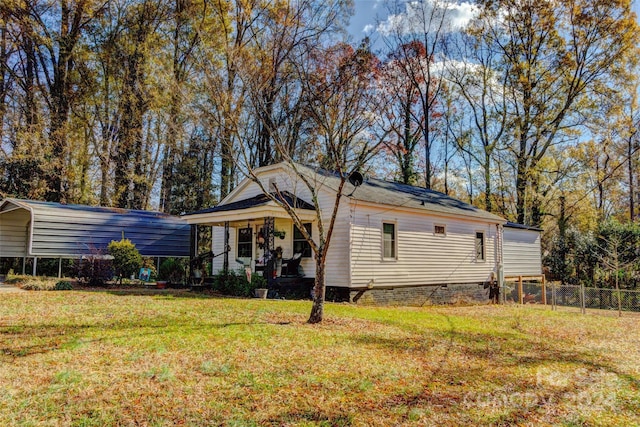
(366, 12)
(369, 14)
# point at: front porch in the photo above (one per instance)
(256, 235)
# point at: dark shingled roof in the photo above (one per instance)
(259, 200)
(522, 226)
(401, 195)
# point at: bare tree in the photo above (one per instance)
(339, 87)
(425, 24)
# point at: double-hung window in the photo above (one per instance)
(300, 244)
(245, 243)
(389, 240)
(480, 251)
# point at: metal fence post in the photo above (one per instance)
(582, 301)
(553, 296)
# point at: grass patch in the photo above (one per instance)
(100, 358)
(38, 283)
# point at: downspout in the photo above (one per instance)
(350, 237)
(499, 259)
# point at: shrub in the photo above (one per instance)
(93, 270)
(63, 285)
(31, 283)
(171, 270)
(126, 258)
(15, 279)
(235, 283)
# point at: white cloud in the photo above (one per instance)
(368, 28)
(421, 16)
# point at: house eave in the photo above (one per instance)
(493, 219)
(244, 215)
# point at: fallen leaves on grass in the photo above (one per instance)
(90, 358)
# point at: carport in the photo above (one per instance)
(32, 229)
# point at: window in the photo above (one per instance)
(245, 243)
(388, 240)
(300, 244)
(480, 246)
(439, 230)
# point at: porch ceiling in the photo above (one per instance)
(240, 217)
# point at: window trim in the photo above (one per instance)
(309, 227)
(483, 246)
(444, 227)
(249, 243)
(395, 241)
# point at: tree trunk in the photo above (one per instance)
(406, 157)
(226, 161)
(427, 152)
(317, 310)
(488, 204)
(70, 26)
(169, 154)
(130, 133)
(4, 83)
(31, 113)
(521, 191)
(630, 150)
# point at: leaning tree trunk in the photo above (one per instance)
(317, 311)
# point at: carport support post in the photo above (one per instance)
(59, 268)
(35, 265)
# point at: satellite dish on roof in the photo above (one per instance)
(356, 179)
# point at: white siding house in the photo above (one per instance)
(389, 238)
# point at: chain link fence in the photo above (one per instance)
(579, 297)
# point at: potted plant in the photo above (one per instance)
(259, 285)
(279, 233)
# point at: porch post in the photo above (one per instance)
(225, 265)
(269, 227)
(60, 268)
(35, 265)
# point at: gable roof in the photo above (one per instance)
(259, 200)
(375, 191)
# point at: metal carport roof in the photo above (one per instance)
(47, 229)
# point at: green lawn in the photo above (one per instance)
(98, 358)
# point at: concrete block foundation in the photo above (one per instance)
(466, 293)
